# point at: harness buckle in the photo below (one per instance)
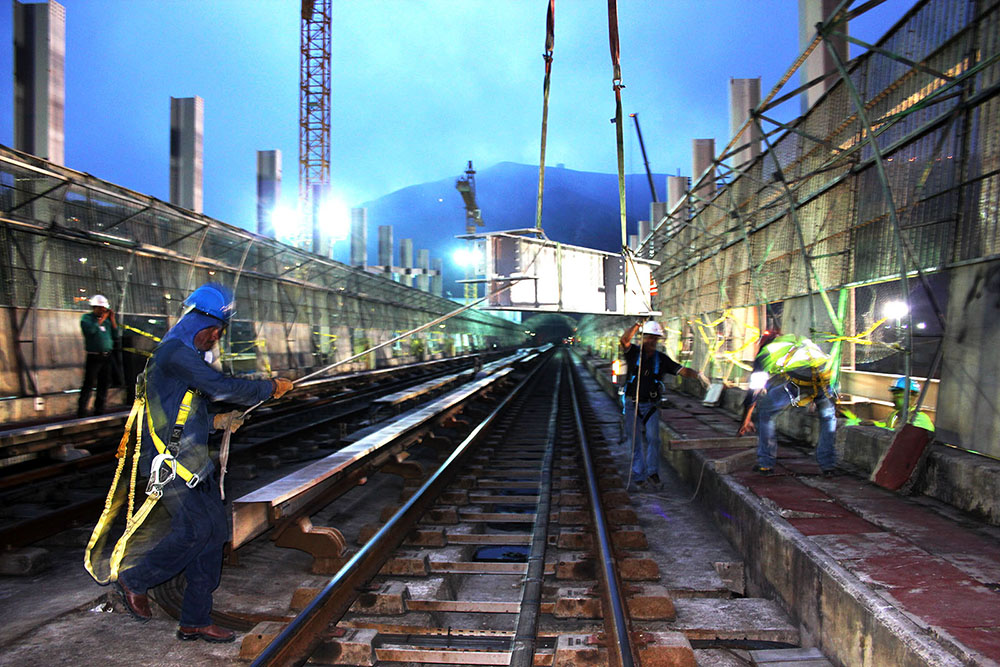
(156, 480)
(193, 482)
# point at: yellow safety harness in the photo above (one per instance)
(162, 471)
(801, 363)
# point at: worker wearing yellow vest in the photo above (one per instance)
(179, 385)
(919, 419)
(791, 370)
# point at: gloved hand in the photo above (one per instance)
(281, 387)
(703, 379)
(233, 420)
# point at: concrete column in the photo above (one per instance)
(744, 95)
(437, 279)
(187, 119)
(406, 260)
(677, 187)
(657, 211)
(644, 229)
(385, 247)
(359, 237)
(819, 61)
(39, 79)
(633, 241)
(702, 155)
(423, 262)
(268, 190)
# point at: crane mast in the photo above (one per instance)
(314, 112)
(473, 218)
(642, 146)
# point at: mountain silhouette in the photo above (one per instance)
(579, 208)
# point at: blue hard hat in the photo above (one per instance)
(212, 299)
(900, 384)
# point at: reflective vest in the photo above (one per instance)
(798, 360)
(920, 420)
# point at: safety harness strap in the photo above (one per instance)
(133, 520)
(190, 478)
(110, 509)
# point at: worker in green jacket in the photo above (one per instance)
(919, 419)
(100, 331)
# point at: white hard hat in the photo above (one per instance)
(652, 328)
(99, 300)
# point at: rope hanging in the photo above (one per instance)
(618, 85)
(550, 39)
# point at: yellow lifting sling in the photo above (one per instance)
(153, 490)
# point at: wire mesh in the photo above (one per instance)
(67, 236)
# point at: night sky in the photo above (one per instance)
(419, 87)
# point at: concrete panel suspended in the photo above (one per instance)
(553, 277)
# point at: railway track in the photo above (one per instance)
(520, 549)
(462, 531)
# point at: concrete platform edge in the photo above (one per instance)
(834, 609)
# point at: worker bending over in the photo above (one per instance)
(791, 370)
(645, 388)
(179, 385)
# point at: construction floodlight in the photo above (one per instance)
(536, 274)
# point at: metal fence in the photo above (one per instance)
(901, 155)
(65, 236)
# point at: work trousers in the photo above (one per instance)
(643, 438)
(97, 371)
(776, 399)
(198, 531)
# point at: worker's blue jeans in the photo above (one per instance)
(646, 447)
(776, 399)
(198, 531)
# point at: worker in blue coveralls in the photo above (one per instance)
(643, 390)
(179, 386)
(790, 370)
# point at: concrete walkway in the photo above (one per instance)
(936, 566)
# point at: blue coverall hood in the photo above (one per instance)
(191, 324)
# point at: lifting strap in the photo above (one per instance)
(618, 85)
(165, 459)
(550, 39)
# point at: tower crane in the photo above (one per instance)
(473, 218)
(314, 111)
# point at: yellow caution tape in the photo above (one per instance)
(859, 338)
(141, 332)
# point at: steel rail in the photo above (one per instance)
(523, 646)
(619, 641)
(303, 635)
(28, 530)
